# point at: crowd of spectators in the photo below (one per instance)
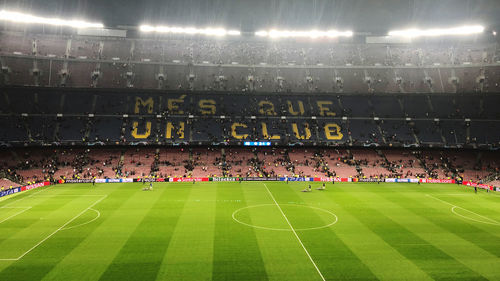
(32, 165)
(250, 51)
(246, 65)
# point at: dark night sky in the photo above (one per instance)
(358, 15)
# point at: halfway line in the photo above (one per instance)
(295, 233)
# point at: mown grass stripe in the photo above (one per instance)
(96, 243)
(45, 258)
(141, 256)
(237, 254)
(485, 236)
(474, 203)
(425, 255)
(46, 215)
(242, 252)
(334, 258)
(383, 260)
(14, 198)
(190, 250)
(295, 233)
(283, 256)
(25, 199)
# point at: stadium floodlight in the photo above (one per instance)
(189, 30)
(261, 33)
(273, 33)
(27, 18)
(461, 30)
(233, 32)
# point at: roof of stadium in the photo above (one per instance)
(359, 15)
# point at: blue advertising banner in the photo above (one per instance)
(113, 180)
(10, 191)
(297, 179)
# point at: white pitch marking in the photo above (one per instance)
(18, 213)
(57, 230)
(75, 226)
(9, 259)
(31, 195)
(295, 233)
(72, 195)
(494, 222)
(284, 229)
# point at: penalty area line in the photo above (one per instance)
(57, 230)
(64, 225)
(453, 207)
(295, 233)
(18, 213)
(22, 198)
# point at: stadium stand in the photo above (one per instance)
(37, 164)
(227, 65)
(221, 117)
(194, 102)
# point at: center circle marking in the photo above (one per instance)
(285, 229)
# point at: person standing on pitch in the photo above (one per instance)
(475, 189)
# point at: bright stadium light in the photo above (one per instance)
(233, 32)
(261, 33)
(27, 18)
(461, 30)
(273, 33)
(189, 30)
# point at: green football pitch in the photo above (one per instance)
(250, 231)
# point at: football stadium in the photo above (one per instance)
(249, 140)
